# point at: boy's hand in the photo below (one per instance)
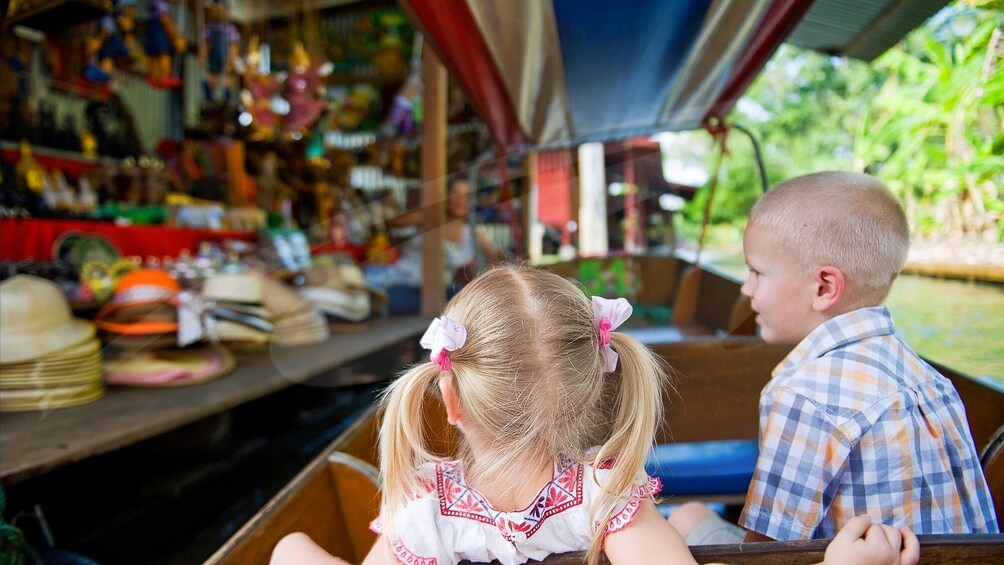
(860, 541)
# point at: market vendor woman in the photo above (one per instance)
(403, 279)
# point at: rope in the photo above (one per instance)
(757, 155)
(721, 135)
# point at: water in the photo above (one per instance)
(959, 324)
(956, 323)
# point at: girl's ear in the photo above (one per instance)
(454, 414)
(830, 286)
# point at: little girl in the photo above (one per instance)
(556, 414)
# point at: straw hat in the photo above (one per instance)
(353, 306)
(44, 399)
(282, 300)
(168, 367)
(345, 277)
(144, 303)
(237, 287)
(35, 320)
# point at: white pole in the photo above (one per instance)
(593, 201)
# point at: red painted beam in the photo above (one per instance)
(450, 29)
(780, 20)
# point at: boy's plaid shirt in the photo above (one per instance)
(854, 422)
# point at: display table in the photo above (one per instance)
(33, 443)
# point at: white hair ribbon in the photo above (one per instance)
(609, 314)
(444, 335)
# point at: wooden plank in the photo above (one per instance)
(961, 549)
(32, 443)
(433, 182)
(717, 387)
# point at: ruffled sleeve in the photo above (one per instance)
(628, 504)
(418, 540)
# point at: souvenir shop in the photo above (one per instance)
(191, 190)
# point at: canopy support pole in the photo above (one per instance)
(433, 183)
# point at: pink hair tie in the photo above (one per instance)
(609, 314)
(443, 335)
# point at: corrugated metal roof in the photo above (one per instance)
(863, 29)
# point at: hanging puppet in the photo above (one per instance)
(109, 44)
(303, 86)
(406, 111)
(219, 52)
(163, 40)
(259, 88)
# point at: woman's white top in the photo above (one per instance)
(408, 268)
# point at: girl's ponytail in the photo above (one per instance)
(637, 413)
(402, 439)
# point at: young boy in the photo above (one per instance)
(852, 421)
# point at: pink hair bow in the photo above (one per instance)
(610, 314)
(444, 335)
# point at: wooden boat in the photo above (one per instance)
(719, 378)
(526, 99)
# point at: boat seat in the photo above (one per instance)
(710, 471)
(992, 461)
(358, 486)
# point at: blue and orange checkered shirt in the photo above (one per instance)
(854, 422)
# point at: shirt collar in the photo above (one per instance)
(836, 332)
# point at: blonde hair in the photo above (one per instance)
(847, 220)
(530, 376)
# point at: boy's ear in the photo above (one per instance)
(454, 414)
(830, 286)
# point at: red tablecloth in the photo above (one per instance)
(34, 238)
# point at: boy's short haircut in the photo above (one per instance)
(850, 221)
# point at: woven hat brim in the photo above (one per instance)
(21, 347)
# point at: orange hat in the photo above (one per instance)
(143, 286)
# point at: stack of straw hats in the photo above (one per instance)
(48, 358)
(141, 326)
(294, 320)
(241, 319)
(341, 291)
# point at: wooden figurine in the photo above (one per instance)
(259, 88)
(219, 51)
(163, 40)
(302, 88)
(109, 44)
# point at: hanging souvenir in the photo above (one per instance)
(259, 88)
(406, 110)
(162, 41)
(108, 44)
(219, 52)
(303, 85)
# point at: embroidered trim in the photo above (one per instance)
(457, 499)
(638, 493)
(404, 555)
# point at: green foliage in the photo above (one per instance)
(926, 117)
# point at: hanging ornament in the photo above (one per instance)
(163, 40)
(219, 52)
(406, 111)
(259, 89)
(303, 87)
